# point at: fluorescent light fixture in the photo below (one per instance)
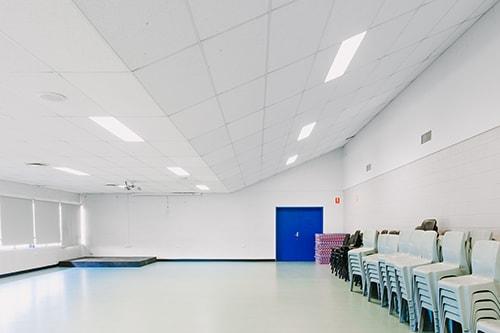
(344, 56)
(203, 187)
(114, 126)
(306, 131)
(291, 159)
(72, 171)
(179, 171)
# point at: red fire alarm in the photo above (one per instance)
(337, 200)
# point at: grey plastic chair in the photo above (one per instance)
(461, 297)
(354, 258)
(425, 278)
(423, 251)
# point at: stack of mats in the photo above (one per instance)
(324, 245)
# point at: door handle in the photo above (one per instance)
(297, 234)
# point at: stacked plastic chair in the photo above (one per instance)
(426, 277)
(423, 251)
(335, 255)
(340, 255)
(374, 270)
(469, 298)
(355, 257)
(488, 326)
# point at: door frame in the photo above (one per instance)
(292, 207)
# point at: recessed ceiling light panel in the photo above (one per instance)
(178, 171)
(306, 131)
(344, 56)
(203, 187)
(72, 171)
(117, 128)
(292, 159)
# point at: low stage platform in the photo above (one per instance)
(108, 262)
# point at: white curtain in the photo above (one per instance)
(47, 222)
(70, 224)
(17, 221)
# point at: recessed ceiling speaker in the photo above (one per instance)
(52, 97)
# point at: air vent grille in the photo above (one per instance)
(426, 137)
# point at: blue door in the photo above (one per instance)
(295, 230)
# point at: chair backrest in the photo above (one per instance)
(370, 238)
(477, 235)
(454, 246)
(429, 224)
(486, 259)
(391, 244)
(415, 241)
(404, 241)
(427, 246)
(381, 241)
(355, 238)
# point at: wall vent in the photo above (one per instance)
(368, 167)
(426, 137)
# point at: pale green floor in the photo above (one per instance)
(188, 297)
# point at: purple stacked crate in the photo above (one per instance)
(324, 245)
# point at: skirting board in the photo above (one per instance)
(217, 260)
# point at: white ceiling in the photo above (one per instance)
(220, 88)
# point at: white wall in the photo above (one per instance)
(455, 176)
(457, 97)
(23, 259)
(239, 225)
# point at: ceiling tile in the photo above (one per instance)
(253, 154)
(141, 31)
(174, 148)
(15, 59)
(393, 8)
(243, 100)
(423, 22)
(305, 21)
(215, 16)
(379, 40)
(246, 126)
(247, 143)
(178, 81)
(152, 128)
(58, 34)
(461, 11)
(211, 141)
(219, 155)
(31, 86)
(195, 162)
(226, 168)
(281, 111)
(238, 55)
(287, 81)
(280, 130)
(199, 119)
(317, 97)
(119, 94)
(349, 18)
